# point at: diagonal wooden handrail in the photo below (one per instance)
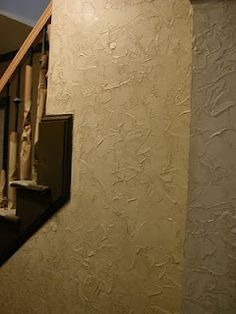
(26, 46)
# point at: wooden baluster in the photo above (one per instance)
(42, 95)
(13, 146)
(26, 138)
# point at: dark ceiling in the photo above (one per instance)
(12, 34)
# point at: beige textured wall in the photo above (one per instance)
(124, 69)
(210, 263)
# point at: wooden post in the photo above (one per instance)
(13, 147)
(26, 139)
(41, 99)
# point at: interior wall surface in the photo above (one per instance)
(210, 251)
(123, 68)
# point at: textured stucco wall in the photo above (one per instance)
(210, 263)
(124, 69)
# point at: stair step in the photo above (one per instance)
(7, 212)
(29, 185)
(9, 216)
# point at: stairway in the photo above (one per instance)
(37, 201)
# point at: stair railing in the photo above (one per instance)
(26, 46)
(5, 80)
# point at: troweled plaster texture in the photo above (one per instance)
(123, 68)
(210, 261)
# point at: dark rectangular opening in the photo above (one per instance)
(4, 133)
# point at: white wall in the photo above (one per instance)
(123, 68)
(210, 252)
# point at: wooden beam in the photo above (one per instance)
(26, 46)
